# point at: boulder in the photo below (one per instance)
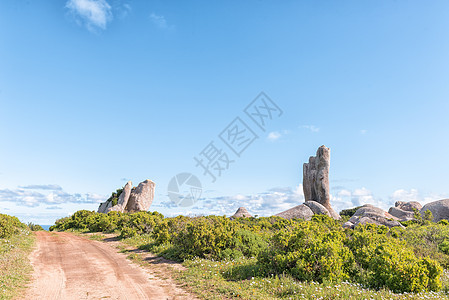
(301, 211)
(374, 215)
(402, 215)
(241, 213)
(316, 180)
(408, 206)
(348, 225)
(439, 209)
(141, 197)
(317, 208)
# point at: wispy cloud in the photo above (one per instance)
(363, 131)
(312, 128)
(273, 136)
(52, 187)
(159, 21)
(53, 207)
(415, 195)
(94, 14)
(35, 195)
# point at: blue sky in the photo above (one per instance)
(97, 92)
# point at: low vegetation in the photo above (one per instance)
(16, 242)
(275, 258)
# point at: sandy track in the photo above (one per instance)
(67, 266)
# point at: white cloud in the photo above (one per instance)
(53, 187)
(312, 128)
(266, 203)
(363, 131)
(273, 136)
(415, 195)
(93, 14)
(159, 21)
(35, 195)
(403, 195)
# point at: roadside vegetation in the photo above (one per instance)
(274, 258)
(16, 242)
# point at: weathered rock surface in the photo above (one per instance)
(374, 215)
(123, 198)
(131, 199)
(402, 215)
(141, 197)
(317, 208)
(241, 213)
(404, 211)
(439, 209)
(316, 180)
(408, 206)
(301, 211)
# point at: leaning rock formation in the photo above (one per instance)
(131, 199)
(374, 215)
(301, 211)
(316, 180)
(241, 213)
(141, 197)
(439, 209)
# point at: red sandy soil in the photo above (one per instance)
(67, 266)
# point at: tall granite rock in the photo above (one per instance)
(316, 180)
(131, 199)
(316, 189)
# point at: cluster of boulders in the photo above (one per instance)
(131, 198)
(374, 215)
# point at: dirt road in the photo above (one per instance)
(67, 266)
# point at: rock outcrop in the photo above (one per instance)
(131, 199)
(316, 180)
(439, 209)
(374, 215)
(301, 211)
(316, 189)
(404, 211)
(141, 197)
(408, 206)
(241, 213)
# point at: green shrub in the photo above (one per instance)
(9, 225)
(310, 251)
(396, 267)
(99, 222)
(128, 232)
(443, 222)
(444, 247)
(207, 237)
(390, 262)
(349, 212)
(35, 227)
